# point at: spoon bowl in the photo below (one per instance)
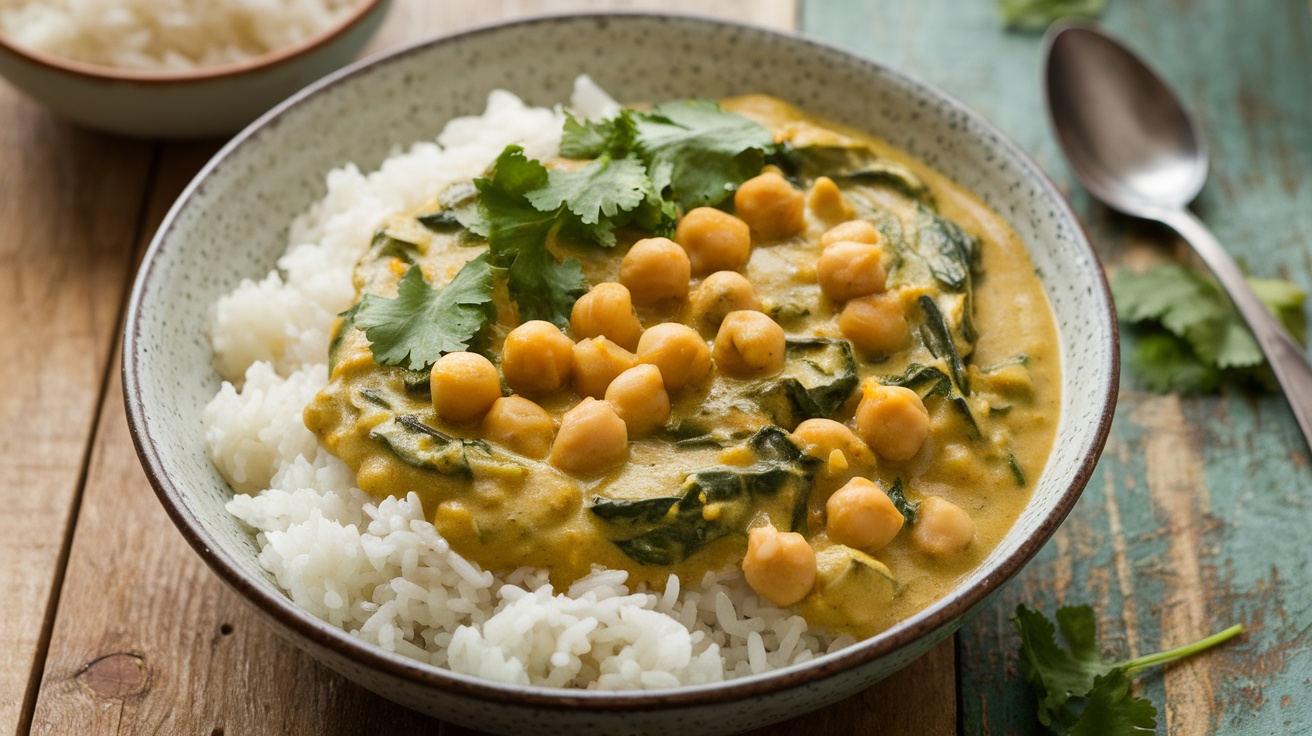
(1122, 129)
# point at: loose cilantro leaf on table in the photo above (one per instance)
(422, 323)
(1191, 336)
(1078, 691)
(1037, 15)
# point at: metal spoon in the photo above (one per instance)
(1133, 146)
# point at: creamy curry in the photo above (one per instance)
(845, 381)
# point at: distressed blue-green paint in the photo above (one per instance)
(1246, 71)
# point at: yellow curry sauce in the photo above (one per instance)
(723, 462)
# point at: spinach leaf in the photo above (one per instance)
(898, 496)
(667, 530)
(938, 338)
(928, 381)
(852, 164)
(818, 377)
(345, 323)
(950, 251)
(421, 446)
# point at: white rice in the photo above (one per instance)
(379, 569)
(166, 34)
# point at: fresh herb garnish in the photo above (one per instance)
(644, 166)
(1078, 691)
(1036, 15)
(517, 231)
(1191, 339)
(698, 151)
(422, 323)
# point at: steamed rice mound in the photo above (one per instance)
(174, 35)
(378, 568)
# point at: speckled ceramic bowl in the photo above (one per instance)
(231, 224)
(206, 102)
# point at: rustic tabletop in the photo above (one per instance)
(1198, 516)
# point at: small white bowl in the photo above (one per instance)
(231, 224)
(200, 103)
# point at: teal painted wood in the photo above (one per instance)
(1199, 514)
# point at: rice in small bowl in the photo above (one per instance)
(222, 227)
(177, 69)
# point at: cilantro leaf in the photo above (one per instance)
(1214, 342)
(1055, 673)
(1285, 301)
(1166, 364)
(1078, 691)
(545, 289)
(596, 193)
(1111, 709)
(1036, 15)
(592, 138)
(698, 151)
(422, 323)
(506, 218)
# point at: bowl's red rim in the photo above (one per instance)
(315, 631)
(99, 73)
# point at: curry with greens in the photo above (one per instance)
(705, 336)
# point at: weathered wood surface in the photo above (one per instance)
(70, 202)
(141, 637)
(1198, 515)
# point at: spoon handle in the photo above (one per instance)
(1284, 355)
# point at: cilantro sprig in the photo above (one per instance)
(1079, 692)
(1191, 338)
(422, 323)
(642, 167)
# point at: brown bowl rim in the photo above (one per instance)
(318, 633)
(100, 73)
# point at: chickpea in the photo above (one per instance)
(592, 437)
(749, 344)
(679, 352)
(857, 231)
(770, 206)
(537, 358)
(823, 437)
(892, 420)
(639, 398)
(464, 386)
(656, 270)
(606, 311)
(597, 361)
(780, 566)
(715, 240)
(719, 294)
(942, 528)
(827, 201)
(876, 325)
(848, 269)
(862, 516)
(521, 425)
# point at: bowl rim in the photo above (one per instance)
(150, 77)
(273, 604)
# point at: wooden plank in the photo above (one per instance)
(148, 640)
(1197, 515)
(69, 205)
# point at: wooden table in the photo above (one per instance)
(1197, 518)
